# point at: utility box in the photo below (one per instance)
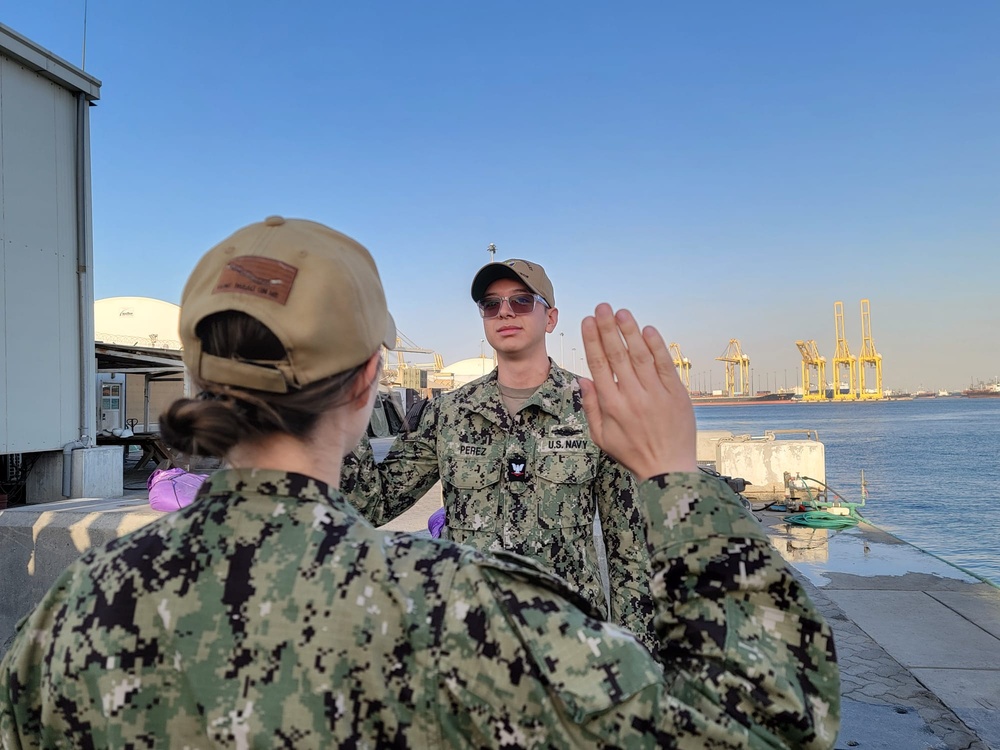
(763, 461)
(95, 472)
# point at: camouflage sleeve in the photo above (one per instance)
(732, 612)
(749, 661)
(625, 544)
(385, 490)
(22, 674)
(9, 737)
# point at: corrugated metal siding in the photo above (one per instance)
(40, 403)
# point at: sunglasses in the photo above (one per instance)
(520, 304)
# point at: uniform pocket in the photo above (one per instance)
(476, 496)
(566, 478)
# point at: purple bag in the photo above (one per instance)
(436, 523)
(173, 489)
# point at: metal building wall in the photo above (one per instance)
(47, 399)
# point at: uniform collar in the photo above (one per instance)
(558, 395)
(251, 483)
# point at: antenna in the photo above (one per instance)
(83, 63)
(492, 250)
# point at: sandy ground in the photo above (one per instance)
(415, 519)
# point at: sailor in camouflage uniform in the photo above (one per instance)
(269, 613)
(518, 469)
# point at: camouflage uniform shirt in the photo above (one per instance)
(269, 614)
(527, 483)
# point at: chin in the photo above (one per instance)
(507, 346)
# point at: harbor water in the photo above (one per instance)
(931, 465)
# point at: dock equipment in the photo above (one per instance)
(734, 356)
(843, 358)
(682, 363)
(819, 513)
(812, 361)
(868, 358)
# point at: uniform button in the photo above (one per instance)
(274, 221)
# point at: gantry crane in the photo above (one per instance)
(842, 359)
(868, 357)
(734, 356)
(811, 360)
(404, 344)
(682, 363)
(406, 374)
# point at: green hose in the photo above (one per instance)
(820, 519)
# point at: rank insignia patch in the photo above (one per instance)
(516, 469)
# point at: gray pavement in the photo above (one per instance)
(918, 640)
(415, 519)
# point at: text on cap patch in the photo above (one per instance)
(262, 277)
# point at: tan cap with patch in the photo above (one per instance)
(316, 289)
(532, 274)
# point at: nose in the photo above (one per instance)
(505, 303)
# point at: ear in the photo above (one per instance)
(368, 378)
(373, 365)
(553, 318)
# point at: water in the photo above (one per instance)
(932, 466)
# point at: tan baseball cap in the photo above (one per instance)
(532, 274)
(316, 289)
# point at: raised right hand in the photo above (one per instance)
(638, 409)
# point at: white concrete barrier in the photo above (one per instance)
(763, 462)
(37, 542)
(708, 440)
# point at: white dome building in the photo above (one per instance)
(137, 321)
(136, 399)
(467, 370)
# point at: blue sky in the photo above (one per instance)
(724, 169)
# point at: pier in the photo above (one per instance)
(918, 640)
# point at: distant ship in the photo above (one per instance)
(990, 391)
(699, 399)
(983, 390)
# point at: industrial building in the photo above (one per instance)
(48, 401)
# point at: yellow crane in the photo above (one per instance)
(734, 356)
(811, 360)
(682, 363)
(842, 359)
(868, 357)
